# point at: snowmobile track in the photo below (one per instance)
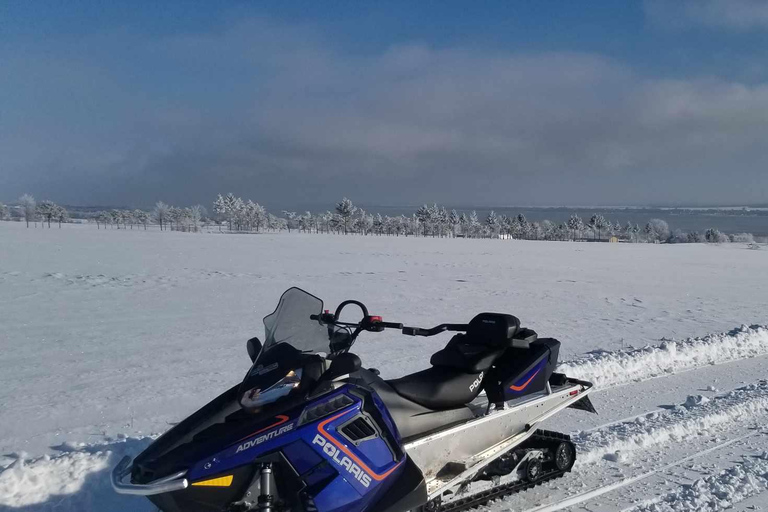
(481, 498)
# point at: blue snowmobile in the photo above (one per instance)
(310, 429)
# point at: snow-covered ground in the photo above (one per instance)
(108, 337)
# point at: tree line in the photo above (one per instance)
(44, 212)
(236, 214)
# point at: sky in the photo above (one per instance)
(297, 104)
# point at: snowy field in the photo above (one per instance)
(107, 337)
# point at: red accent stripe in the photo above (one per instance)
(525, 385)
(328, 436)
(281, 419)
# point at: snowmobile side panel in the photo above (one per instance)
(522, 371)
(408, 492)
(411, 419)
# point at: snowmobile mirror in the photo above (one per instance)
(254, 347)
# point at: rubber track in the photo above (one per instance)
(481, 498)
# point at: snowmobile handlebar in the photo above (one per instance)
(418, 331)
(376, 324)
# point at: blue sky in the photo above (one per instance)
(492, 103)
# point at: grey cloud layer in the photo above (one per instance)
(281, 115)
(740, 15)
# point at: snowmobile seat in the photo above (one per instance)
(462, 354)
(455, 378)
(488, 335)
(439, 387)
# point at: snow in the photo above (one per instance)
(109, 337)
(76, 479)
(609, 368)
(699, 415)
(715, 492)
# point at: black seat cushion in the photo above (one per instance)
(438, 387)
(463, 354)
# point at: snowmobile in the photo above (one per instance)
(310, 429)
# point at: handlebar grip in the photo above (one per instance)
(414, 331)
(390, 325)
(314, 317)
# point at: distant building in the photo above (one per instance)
(614, 240)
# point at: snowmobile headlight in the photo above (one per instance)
(257, 397)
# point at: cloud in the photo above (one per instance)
(737, 15)
(285, 116)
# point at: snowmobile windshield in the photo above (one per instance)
(291, 324)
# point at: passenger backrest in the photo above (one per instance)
(493, 329)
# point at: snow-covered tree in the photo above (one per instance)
(548, 229)
(714, 236)
(378, 224)
(128, 218)
(220, 208)
(561, 232)
(103, 218)
(648, 230)
(4, 212)
(141, 217)
(597, 222)
(474, 224)
(453, 221)
(28, 204)
(290, 219)
(365, 222)
(160, 213)
(117, 217)
(628, 230)
(230, 208)
(659, 230)
(743, 238)
(60, 215)
(576, 225)
(195, 216)
(492, 223)
(46, 210)
(424, 217)
(346, 210)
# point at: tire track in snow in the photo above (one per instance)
(605, 489)
(699, 414)
(614, 368)
(715, 492)
(690, 422)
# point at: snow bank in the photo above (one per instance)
(610, 368)
(76, 479)
(698, 416)
(717, 492)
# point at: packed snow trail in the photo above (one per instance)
(716, 492)
(622, 441)
(621, 464)
(606, 368)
